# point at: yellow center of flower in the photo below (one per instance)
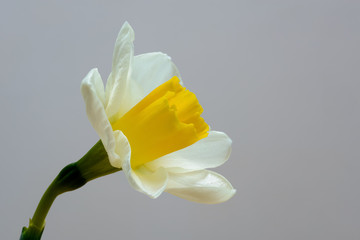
(166, 120)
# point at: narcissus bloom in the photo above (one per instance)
(150, 126)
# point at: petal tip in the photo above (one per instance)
(226, 197)
(127, 29)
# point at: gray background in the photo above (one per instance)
(280, 77)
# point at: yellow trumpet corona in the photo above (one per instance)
(166, 120)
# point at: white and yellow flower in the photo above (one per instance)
(150, 126)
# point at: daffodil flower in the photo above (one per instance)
(151, 128)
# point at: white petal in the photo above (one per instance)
(200, 186)
(150, 70)
(152, 183)
(93, 95)
(209, 152)
(117, 82)
(93, 78)
(122, 149)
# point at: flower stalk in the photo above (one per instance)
(92, 165)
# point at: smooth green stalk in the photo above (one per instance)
(93, 164)
(45, 203)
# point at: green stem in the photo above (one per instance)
(45, 203)
(68, 179)
(94, 164)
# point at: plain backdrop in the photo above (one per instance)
(281, 78)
